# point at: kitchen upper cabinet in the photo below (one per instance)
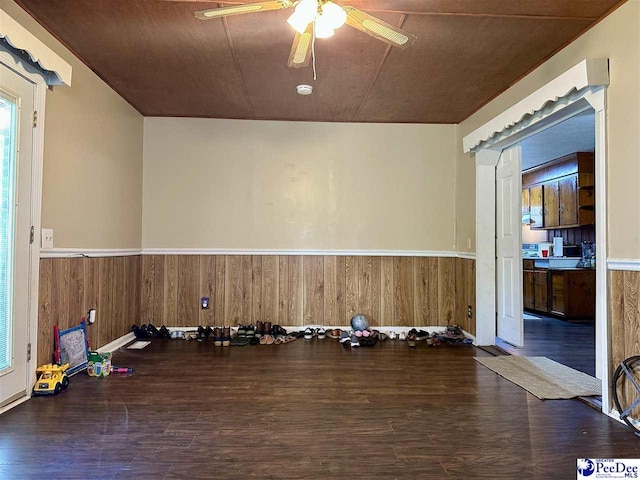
(536, 206)
(561, 193)
(551, 213)
(568, 199)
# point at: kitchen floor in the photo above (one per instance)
(570, 343)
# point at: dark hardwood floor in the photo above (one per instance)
(571, 343)
(309, 409)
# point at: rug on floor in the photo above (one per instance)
(543, 377)
(528, 316)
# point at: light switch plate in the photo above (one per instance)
(47, 238)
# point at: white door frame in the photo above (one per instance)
(40, 88)
(554, 103)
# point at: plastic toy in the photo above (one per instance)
(53, 379)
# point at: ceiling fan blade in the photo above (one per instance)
(301, 48)
(379, 29)
(240, 9)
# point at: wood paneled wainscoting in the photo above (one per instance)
(70, 287)
(297, 290)
(625, 322)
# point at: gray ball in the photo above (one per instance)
(359, 322)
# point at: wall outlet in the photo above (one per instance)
(469, 311)
(204, 303)
(47, 238)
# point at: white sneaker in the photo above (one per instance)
(321, 332)
(403, 336)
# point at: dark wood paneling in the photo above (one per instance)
(236, 68)
(298, 290)
(70, 287)
(625, 324)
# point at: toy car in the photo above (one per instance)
(53, 379)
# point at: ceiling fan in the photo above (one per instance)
(313, 19)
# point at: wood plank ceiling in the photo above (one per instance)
(167, 63)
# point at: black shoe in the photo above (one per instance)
(250, 331)
(242, 331)
(152, 331)
(202, 332)
(164, 332)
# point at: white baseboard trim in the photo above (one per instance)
(117, 343)
(88, 252)
(628, 264)
(616, 416)
(15, 403)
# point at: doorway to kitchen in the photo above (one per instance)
(558, 244)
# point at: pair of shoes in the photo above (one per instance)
(203, 332)
(335, 333)
(222, 336)
(411, 339)
(362, 333)
(144, 331)
(309, 333)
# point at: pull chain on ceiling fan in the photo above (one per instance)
(313, 19)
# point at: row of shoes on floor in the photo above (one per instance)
(262, 333)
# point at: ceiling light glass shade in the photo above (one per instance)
(298, 22)
(323, 27)
(303, 15)
(335, 14)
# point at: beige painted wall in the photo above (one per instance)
(618, 38)
(92, 184)
(292, 185)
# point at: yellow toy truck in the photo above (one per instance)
(53, 379)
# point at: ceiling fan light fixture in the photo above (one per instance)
(334, 13)
(298, 23)
(323, 27)
(303, 15)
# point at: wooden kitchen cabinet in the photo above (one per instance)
(536, 206)
(541, 288)
(535, 286)
(573, 293)
(568, 200)
(528, 291)
(551, 215)
(561, 193)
